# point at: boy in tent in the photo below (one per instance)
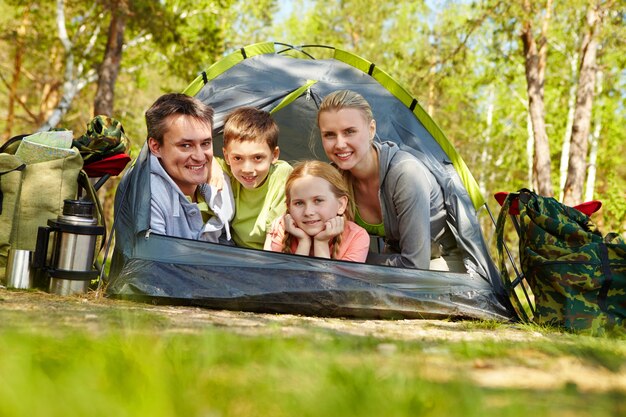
(180, 140)
(257, 176)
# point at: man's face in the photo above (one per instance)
(186, 153)
(250, 161)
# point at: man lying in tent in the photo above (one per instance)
(396, 196)
(182, 203)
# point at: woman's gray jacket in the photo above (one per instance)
(413, 210)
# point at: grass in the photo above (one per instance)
(138, 363)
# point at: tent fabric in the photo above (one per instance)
(291, 84)
(179, 271)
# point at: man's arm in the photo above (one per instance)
(158, 222)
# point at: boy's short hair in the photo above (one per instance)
(175, 104)
(250, 124)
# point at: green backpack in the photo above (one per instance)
(577, 276)
(32, 194)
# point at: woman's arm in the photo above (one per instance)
(411, 185)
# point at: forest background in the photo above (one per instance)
(531, 93)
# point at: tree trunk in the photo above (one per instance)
(571, 101)
(69, 81)
(530, 151)
(109, 69)
(595, 141)
(17, 72)
(432, 76)
(573, 190)
(535, 66)
(485, 156)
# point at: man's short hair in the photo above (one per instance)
(250, 124)
(175, 104)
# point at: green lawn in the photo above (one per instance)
(107, 360)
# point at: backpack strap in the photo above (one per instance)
(17, 168)
(11, 145)
(91, 195)
(509, 285)
(504, 211)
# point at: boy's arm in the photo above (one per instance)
(274, 236)
(268, 242)
(216, 175)
(222, 204)
(278, 199)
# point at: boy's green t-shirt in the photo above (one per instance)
(203, 206)
(256, 209)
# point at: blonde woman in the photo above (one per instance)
(395, 194)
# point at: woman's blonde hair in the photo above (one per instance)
(346, 99)
(338, 186)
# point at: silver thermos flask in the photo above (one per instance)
(71, 263)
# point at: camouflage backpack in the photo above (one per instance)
(104, 137)
(577, 276)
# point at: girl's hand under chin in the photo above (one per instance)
(334, 227)
(292, 228)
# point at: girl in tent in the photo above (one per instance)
(319, 216)
(396, 196)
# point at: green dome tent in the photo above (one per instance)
(290, 82)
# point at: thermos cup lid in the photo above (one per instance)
(78, 208)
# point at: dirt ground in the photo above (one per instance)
(524, 368)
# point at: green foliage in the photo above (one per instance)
(246, 22)
(614, 202)
(29, 30)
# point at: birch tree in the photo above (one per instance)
(577, 165)
(76, 75)
(594, 145)
(13, 84)
(535, 54)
